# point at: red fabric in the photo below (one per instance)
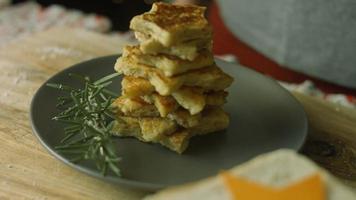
(226, 43)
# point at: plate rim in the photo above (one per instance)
(125, 182)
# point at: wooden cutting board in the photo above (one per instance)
(28, 171)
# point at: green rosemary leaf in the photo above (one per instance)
(98, 91)
(75, 98)
(63, 101)
(106, 78)
(110, 93)
(95, 148)
(74, 127)
(73, 146)
(63, 98)
(104, 168)
(59, 86)
(105, 84)
(67, 132)
(103, 97)
(116, 159)
(110, 149)
(80, 77)
(109, 114)
(110, 126)
(88, 119)
(114, 168)
(67, 121)
(62, 116)
(107, 104)
(68, 136)
(77, 159)
(80, 140)
(70, 109)
(96, 130)
(86, 90)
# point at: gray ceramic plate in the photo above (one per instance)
(264, 117)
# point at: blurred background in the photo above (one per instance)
(308, 45)
(119, 12)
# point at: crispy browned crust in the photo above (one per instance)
(138, 108)
(164, 104)
(169, 16)
(165, 132)
(134, 107)
(135, 87)
(173, 24)
(168, 64)
(188, 50)
(193, 99)
(208, 78)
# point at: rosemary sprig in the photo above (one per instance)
(88, 120)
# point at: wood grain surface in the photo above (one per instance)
(27, 171)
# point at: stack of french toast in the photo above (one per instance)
(172, 89)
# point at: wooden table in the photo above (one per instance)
(27, 171)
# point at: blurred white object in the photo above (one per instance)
(340, 99)
(308, 87)
(228, 58)
(276, 169)
(25, 18)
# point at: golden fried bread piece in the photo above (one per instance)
(124, 106)
(216, 98)
(169, 65)
(208, 78)
(172, 24)
(177, 142)
(188, 50)
(153, 127)
(129, 127)
(148, 129)
(187, 99)
(193, 102)
(135, 87)
(194, 99)
(135, 107)
(184, 118)
(213, 119)
(164, 104)
(191, 98)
